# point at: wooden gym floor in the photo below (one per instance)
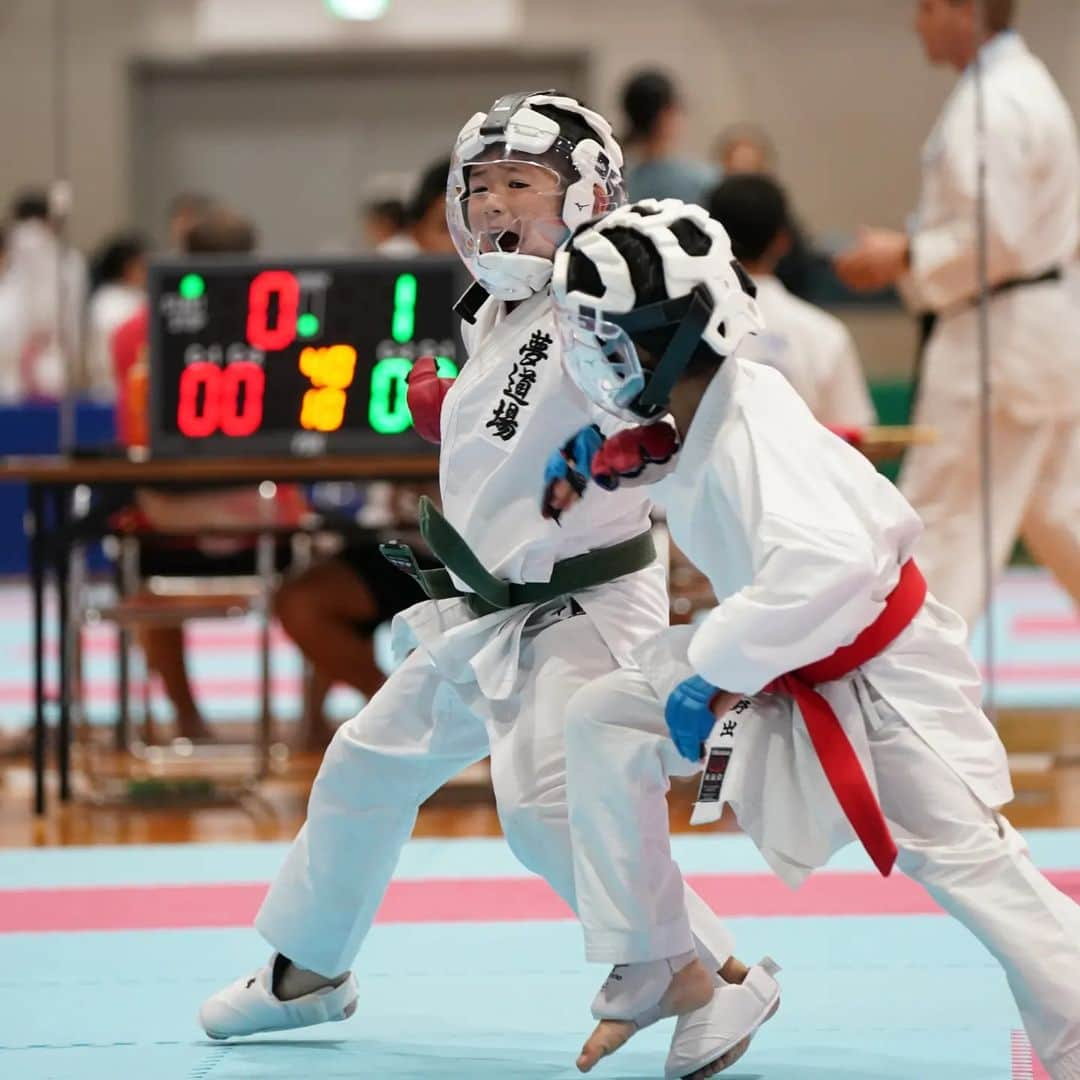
(1044, 749)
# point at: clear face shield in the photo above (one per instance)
(602, 360)
(510, 205)
(507, 212)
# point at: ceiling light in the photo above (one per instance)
(366, 10)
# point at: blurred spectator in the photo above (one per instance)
(220, 231)
(811, 347)
(10, 328)
(746, 148)
(382, 220)
(49, 283)
(118, 291)
(656, 119)
(331, 611)
(185, 210)
(425, 230)
(1031, 156)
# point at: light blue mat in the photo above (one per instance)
(896, 998)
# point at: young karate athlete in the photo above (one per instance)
(526, 612)
(828, 692)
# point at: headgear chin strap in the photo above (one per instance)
(691, 314)
(470, 302)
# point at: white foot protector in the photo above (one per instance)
(635, 991)
(735, 1013)
(248, 1006)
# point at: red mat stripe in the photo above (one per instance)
(467, 900)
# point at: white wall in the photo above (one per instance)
(840, 83)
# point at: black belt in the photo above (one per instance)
(1055, 273)
(490, 593)
(928, 320)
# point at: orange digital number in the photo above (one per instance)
(323, 409)
(331, 370)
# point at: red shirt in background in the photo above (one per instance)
(129, 342)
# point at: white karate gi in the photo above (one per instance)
(473, 686)
(802, 541)
(1033, 204)
(49, 283)
(815, 352)
(112, 305)
(11, 339)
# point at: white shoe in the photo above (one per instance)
(726, 1024)
(249, 1006)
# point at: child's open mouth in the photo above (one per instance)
(506, 240)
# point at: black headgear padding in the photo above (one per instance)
(503, 109)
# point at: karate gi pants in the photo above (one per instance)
(413, 736)
(1036, 495)
(967, 856)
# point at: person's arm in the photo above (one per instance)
(936, 265)
(942, 259)
(812, 592)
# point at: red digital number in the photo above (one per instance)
(246, 420)
(220, 407)
(260, 334)
(194, 417)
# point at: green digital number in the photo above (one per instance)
(388, 410)
(404, 321)
(388, 407)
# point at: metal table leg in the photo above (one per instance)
(122, 728)
(35, 527)
(62, 566)
(264, 566)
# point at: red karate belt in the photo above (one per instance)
(835, 752)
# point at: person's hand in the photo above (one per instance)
(692, 709)
(636, 455)
(567, 472)
(878, 259)
(424, 396)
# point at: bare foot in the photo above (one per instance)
(689, 989)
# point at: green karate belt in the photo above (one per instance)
(490, 593)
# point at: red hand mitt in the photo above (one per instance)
(425, 397)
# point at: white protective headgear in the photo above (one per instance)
(708, 298)
(580, 166)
